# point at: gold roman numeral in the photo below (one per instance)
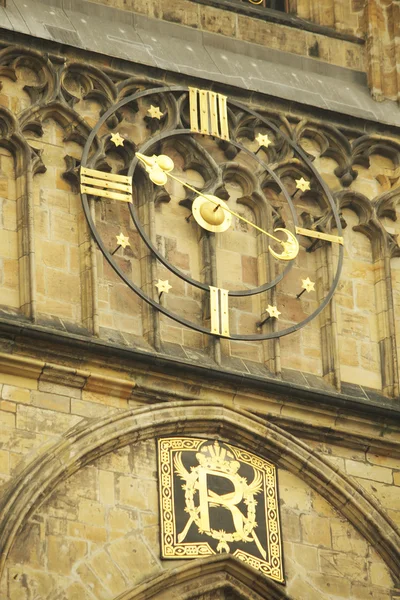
(319, 235)
(106, 185)
(208, 113)
(219, 311)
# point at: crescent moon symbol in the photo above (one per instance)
(290, 246)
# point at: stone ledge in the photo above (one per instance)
(30, 368)
(275, 16)
(145, 369)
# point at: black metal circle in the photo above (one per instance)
(138, 290)
(199, 284)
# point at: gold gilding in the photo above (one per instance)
(219, 311)
(106, 185)
(211, 109)
(319, 235)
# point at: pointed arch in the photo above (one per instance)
(89, 441)
(203, 575)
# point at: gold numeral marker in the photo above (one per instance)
(211, 110)
(219, 311)
(319, 235)
(106, 185)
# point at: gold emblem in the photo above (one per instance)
(163, 286)
(308, 285)
(263, 140)
(302, 184)
(273, 311)
(117, 139)
(217, 498)
(122, 240)
(155, 112)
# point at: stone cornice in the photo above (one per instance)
(274, 16)
(149, 377)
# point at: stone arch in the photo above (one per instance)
(203, 575)
(88, 441)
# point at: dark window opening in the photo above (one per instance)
(281, 5)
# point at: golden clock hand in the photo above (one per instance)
(159, 168)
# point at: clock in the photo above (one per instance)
(217, 171)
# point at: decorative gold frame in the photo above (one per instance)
(170, 450)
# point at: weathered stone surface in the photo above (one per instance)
(95, 531)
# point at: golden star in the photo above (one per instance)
(122, 240)
(117, 139)
(263, 140)
(273, 311)
(308, 285)
(163, 286)
(302, 184)
(155, 112)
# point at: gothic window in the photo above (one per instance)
(281, 5)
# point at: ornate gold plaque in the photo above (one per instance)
(214, 498)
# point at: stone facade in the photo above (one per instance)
(90, 376)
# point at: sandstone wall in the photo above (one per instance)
(52, 272)
(87, 500)
(89, 376)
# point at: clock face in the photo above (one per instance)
(191, 169)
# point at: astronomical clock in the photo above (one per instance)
(207, 169)
(238, 194)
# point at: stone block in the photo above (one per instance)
(7, 419)
(343, 564)
(58, 389)
(137, 493)
(336, 587)
(346, 539)
(105, 569)
(4, 462)
(122, 520)
(304, 589)
(28, 548)
(315, 531)
(92, 582)
(306, 556)
(62, 553)
(380, 575)
(134, 559)
(218, 21)
(91, 410)
(8, 406)
(53, 254)
(106, 487)
(91, 512)
(365, 592)
(367, 471)
(87, 532)
(42, 421)
(293, 492)
(51, 401)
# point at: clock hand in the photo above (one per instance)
(159, 169)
